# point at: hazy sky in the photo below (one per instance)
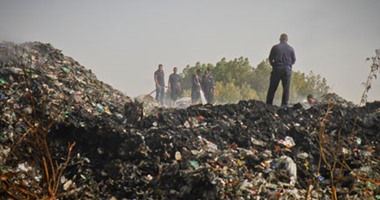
(124, 41)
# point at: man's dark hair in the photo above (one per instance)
(310, 96)
(283, 37)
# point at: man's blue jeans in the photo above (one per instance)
(160, 94)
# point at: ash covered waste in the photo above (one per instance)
(248, 150)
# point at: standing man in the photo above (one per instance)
(174, 85)
(196, 87)
(281, 58)
(208, 86)
(159, 79)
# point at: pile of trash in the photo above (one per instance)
(247, 150)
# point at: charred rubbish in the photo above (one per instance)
(248, 150)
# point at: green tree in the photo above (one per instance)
(247, 92)
(318, 84)
(227, 93)
(302, 85)
(260, 79)
(237, 71)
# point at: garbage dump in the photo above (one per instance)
(102, 145)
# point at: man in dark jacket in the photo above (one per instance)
(281, 58)
(174, 85)
(208, 85)
(196, 87)
(159, 79)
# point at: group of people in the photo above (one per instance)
(281, 58)
(200, 85)
(174, 85)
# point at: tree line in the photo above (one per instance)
(237, 80)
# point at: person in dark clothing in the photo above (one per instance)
(208, 86)
(133, 113)
(310, 102)
(174, 85)
(159, 79)
(196, 87)
(281, 58)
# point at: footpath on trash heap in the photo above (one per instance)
(247, 150)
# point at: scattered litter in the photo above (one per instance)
(248, 150)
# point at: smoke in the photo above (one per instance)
(5, 36)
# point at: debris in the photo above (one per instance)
(248, 150)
